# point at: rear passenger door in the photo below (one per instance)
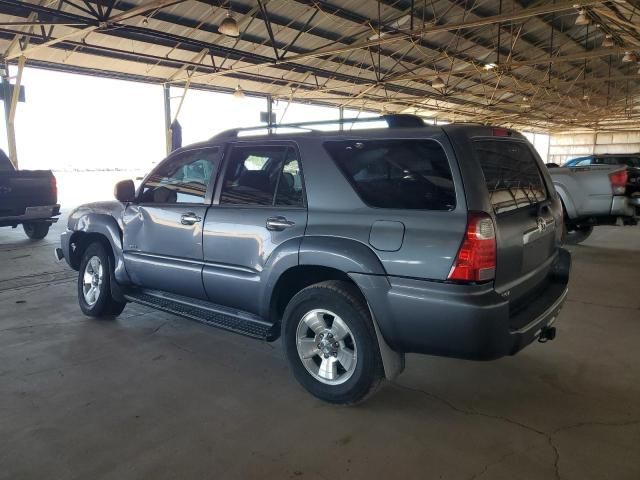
(260, 205)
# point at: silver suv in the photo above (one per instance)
(354, 247)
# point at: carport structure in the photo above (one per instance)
(535, 65)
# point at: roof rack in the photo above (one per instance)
(400, 120)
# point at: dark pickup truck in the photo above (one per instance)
(27, 197)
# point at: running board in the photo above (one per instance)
(208, 313)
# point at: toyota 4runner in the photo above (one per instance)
(354, 247)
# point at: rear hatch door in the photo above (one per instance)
(525, 224)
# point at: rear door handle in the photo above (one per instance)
(189, 218)
(279, 223)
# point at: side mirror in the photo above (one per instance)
(125, 191)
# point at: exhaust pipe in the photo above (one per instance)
(547, 333)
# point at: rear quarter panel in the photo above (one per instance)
(430, 239)
(584, 191)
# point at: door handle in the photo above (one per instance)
(279, 223)
(189, 218)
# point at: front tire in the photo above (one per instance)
(94, 283)
(36, 230)
(330, 343)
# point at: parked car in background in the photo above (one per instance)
(631, 161)
(591, 196)
(28, 198)
(355, 247)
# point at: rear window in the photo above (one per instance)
(511, 173)
(403, 174)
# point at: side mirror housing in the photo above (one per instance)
(125, 191)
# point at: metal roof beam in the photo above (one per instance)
(133, 12)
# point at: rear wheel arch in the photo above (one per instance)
(297, 278)
(568, 208)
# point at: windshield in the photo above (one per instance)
(511, 173)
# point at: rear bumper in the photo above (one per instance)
(621, 206)
(462, 321)
(42, 213)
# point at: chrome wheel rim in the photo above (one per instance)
(92, 280)
(326, 347)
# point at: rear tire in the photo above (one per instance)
(94, 283)
(36, 230)
(577, 235)
(347, 367)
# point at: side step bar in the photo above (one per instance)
(205, 312)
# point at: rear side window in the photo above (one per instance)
(403, 174)
(263, 175)
(511, 173)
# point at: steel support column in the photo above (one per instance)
(341, 112)
(269, 114)
(11, 96)
(166, 89)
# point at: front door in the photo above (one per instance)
(163, 228)
(261, 206)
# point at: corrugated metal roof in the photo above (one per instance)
(550, 73)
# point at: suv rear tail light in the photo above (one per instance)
(476, 259)
(54, 189)
(618, 182)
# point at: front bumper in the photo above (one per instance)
(462, 321)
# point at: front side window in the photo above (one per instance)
(403, 174)
(262, 175)
(183, 178)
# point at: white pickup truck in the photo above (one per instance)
(593, 195)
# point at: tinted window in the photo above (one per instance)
(584, 163)
(183, 178)
(290, 185)
(511, 173)
(405, 174)
(628, 161)
(255, 173)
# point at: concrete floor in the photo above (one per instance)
(156, 397)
